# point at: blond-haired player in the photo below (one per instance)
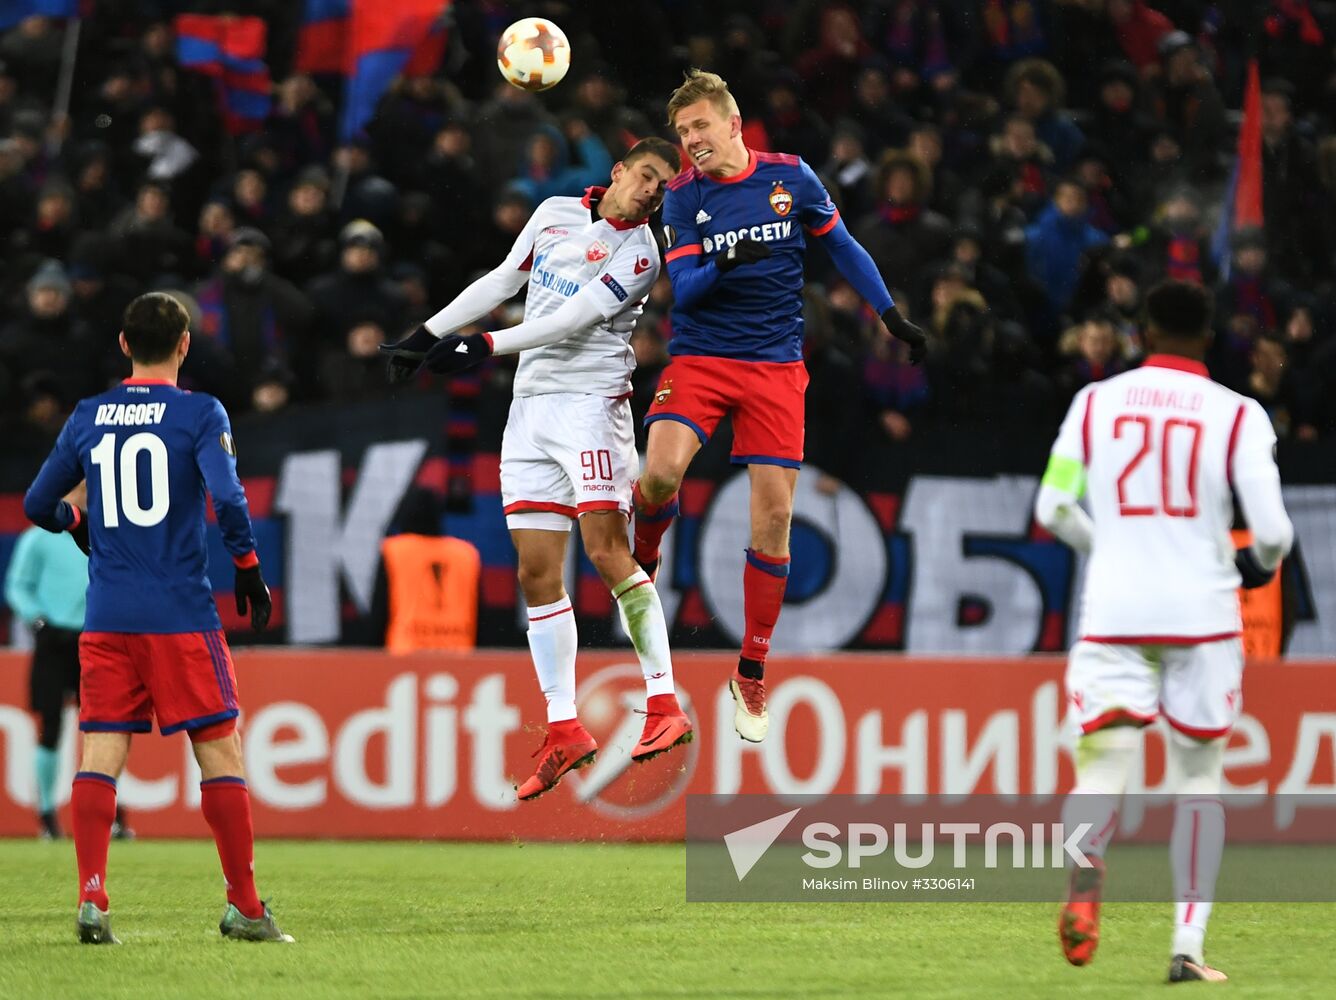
(737, 223)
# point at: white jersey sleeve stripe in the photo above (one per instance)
(1233, 444)
(1085, 428)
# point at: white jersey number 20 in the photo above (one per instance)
(1178, 439)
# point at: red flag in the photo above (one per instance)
(1248, 193)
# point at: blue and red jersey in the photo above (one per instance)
(149, 452)
(754, 312)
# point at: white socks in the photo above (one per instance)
(1103, 761)
(1198, 838)
(642, 617)
(552, 641)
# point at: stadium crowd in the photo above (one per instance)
(1022, 171)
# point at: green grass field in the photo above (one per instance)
(580, 921)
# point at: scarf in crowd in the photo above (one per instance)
(1012, 29)
(900, 215)
(1183, 259)
(1251, 299)
(893, 385)
(914, 39)
(214, 322)
(1286, 14)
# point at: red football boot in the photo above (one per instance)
(666, 725)
(566, 747)
(1078, 925)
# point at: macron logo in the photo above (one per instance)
(703, 217)
(748, 845)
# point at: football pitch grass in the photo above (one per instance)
(582, 921)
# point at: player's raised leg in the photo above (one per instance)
(765, 577)
(641, 612)
(553, 639)
(671, 446)
(93, 811)
(225, 802)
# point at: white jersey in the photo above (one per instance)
(1164, 450)
(588, 278)
(566, 248)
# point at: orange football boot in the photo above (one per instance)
(666, 726)
(1078, 925)
(566, 747)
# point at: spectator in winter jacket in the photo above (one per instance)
(904, 236)
(250, 315)
(1056, 244)
(1139, 30)
(547, 168)
(1036, 90)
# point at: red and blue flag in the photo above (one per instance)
(322, 38)
(14, 11)
(1243, 196)
(385, 42)
(231, 50)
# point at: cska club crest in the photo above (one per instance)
(664, 392)
(598, 250)
(780, 199)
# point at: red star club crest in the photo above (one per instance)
(597, 251)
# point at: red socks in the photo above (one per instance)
(93, 805)
(226, 806)
(652, 520)
(763, 583)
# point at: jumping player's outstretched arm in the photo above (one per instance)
(60, 473)
(626, 280)
(822, 219)
(1057, 507)
(498, 285)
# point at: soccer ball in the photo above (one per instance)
(533, 54)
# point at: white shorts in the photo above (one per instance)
(565, 454)
(1198, 688)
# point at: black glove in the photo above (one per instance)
(80, 532)
(1254, 574)
(406, 355)
(250, 589)
(741, 252)
(904, 330)
(458, 354)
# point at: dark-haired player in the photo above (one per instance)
(153, 646)
(1160, 452)
(569, 448)
(737, 222)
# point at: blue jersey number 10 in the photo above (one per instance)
(104, 457)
